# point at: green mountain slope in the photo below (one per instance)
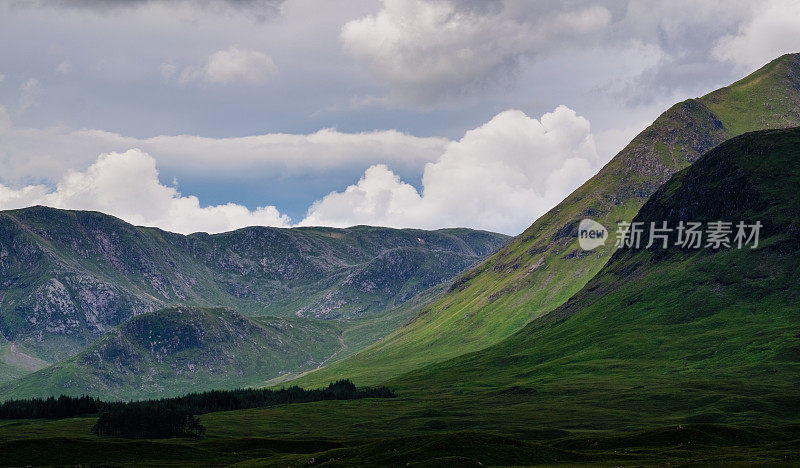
(542, 267)
(181, 350)
(669, 335)
(68, 277)
(666, 356)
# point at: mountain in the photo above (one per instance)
(682, 356)
(180, 350)
(686, 357)
(668, 336)
(543, 267)
(69, 277)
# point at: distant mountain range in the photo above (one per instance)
(541, 268)
(69, 277)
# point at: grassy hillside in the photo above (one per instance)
(119, 365)
(15, 362)
(182, 349)
(542, 267)
(676, 349)
(68, 277)
(671, 336)
(175, 351)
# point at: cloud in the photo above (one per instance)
(231, 66)
(379, 198)
(434, 51)
(46, 154)
(126, 185)
(773, 30)
(29, 93)
(437, 53)
(499, 176)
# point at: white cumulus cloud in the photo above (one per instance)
(231, 66)
(773, 30)
(500, 176)
(126, 185)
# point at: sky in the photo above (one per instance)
(215, 115)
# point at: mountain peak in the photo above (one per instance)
(713, 332)
(541, 268)
(767, 98)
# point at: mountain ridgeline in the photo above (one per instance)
(675, 335)
(69, 277)
(541, 268)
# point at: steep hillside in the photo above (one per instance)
(68, 277)
(180, 350)
(670, 335)
(542, 267)
(666, 355)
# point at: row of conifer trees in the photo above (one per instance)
(176, 417)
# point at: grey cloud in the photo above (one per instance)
(430, 54)
(260, 10)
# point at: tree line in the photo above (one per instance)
(176, 417)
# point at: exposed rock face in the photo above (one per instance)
(68, 277)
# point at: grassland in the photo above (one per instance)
(68, 442)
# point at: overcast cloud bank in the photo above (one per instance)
(499, 176)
